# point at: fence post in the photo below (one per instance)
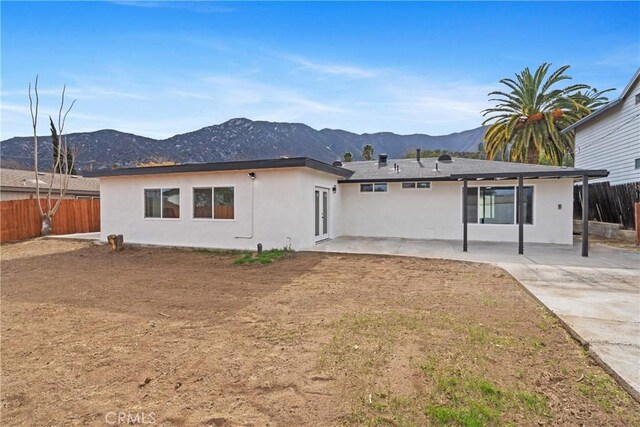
(637, 222)
(585, 215)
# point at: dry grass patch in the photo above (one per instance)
(312, 339)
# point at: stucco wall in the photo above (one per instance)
(437, 213)
(283, 209)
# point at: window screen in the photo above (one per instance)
(170, 203)
(152, 202)
(497, 205)
(366, 188)
(380, 187)
(223, 203)
(202, 203)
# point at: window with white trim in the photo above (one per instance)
(419, 185)
(162, 203)
(374, 187)
(497, 205)
(214, 202)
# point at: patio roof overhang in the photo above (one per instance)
(572, 173)
(560, 173)
(582, 174)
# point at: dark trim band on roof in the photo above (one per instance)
(571, 173)
(382, 179)
(294, 162)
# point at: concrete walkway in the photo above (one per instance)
(76, 236)
(598, 298)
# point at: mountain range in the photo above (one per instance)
(236, 139)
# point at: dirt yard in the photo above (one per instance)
(179, 337)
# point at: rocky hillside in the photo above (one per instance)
(236, 139)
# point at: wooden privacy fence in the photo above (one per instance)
(20, 219)
(219, 212)
(609, 203)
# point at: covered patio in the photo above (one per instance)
(600, 256)
(582, 175)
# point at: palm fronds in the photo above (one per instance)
(526, 120)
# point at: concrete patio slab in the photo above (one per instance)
(76, 236)
(597, 298)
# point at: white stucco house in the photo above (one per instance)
(298, 202)
(609, 138)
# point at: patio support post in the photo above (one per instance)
(520, 215)
(585, 215)
(465, 218)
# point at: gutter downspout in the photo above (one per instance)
(253, 183)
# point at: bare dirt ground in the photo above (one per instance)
(615, 243)
(178, 337)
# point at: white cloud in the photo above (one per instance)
(78, 92)
(14, 108)
(195, 6)
(351, 97)
(625, 56)
(246, 92)
(330, 69)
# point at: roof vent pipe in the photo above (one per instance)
(382, 159)
(418, 154)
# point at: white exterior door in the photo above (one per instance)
(321, 197)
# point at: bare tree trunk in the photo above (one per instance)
(62, 167)
(46, 225)
(34, 123)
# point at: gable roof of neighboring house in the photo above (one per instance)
(457, 169)
(225, 166)
(24, 180)
(608, 106)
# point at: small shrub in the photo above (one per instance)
(266, 257)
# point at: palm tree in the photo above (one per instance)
(592, 99)
(347, 157)
(526, 122)
(367, 152)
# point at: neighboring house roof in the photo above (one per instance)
(225, 166)
(24, 180)
(608, 106)
(458, 168)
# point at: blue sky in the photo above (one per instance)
(158, 69)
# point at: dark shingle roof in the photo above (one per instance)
(411, 169)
